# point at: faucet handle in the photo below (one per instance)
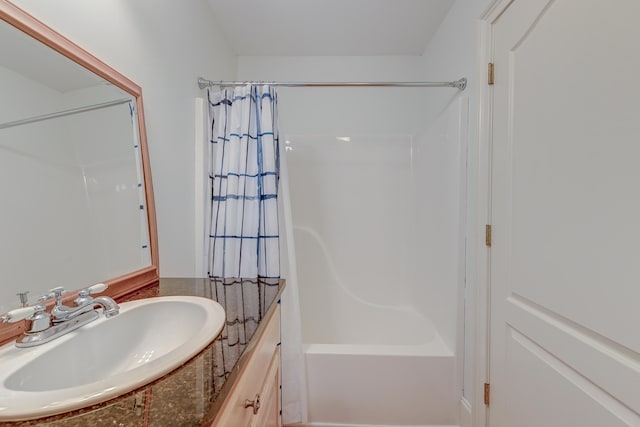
(18, 314)
(23, 298)
(83, 295)
(57, 292)
(95, 289)
(53, 293)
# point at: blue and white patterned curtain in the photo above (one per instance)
(243, 174)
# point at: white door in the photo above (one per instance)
(565, 211)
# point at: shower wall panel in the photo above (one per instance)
(438, 196)
(351, 208)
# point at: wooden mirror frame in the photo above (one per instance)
(131, 282)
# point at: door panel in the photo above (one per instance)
(565, 259)
(545, 378)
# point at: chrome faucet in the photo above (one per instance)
(43, 326)
(84, 303)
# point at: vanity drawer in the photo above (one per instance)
(269, 413)
(255, 379)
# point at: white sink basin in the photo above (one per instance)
(107, 357)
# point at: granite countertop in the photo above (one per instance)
(193, 392)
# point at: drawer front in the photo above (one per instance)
(269, 413)
(251, 379)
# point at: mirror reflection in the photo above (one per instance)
(71, 179)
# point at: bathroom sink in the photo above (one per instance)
(106, 358)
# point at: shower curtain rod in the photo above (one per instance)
(63, 113)
(460, 84)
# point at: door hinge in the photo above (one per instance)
(487, 235)
(490, 74)
(487, 393)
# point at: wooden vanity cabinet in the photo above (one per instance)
(254, 399)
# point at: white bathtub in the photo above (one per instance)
(382, 367)
(368, 364)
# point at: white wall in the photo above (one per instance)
(331, 110)
(163, 46)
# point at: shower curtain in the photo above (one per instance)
(243, 176)
(242, 227)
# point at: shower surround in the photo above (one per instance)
(378, 227)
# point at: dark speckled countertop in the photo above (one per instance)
(194, 391)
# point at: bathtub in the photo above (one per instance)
(370, 365)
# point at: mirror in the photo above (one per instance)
(74, 171)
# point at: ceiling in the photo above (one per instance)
(329, 27)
